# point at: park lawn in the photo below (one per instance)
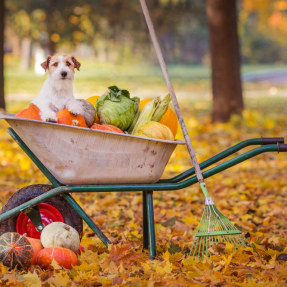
(252, 195)
(141, 79)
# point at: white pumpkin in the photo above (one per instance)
(89, 112)
(59, 234)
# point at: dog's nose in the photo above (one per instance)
(63, 74)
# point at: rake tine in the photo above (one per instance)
(215, 228)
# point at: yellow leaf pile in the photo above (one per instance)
(252, 195)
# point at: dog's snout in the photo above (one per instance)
(64, 74)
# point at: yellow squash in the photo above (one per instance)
(155, 130)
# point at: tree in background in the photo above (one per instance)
(114, 29)
(2, 101)
(263, 26)
(225, 59)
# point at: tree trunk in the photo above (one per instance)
(225, 59)
(2, 99)
(51, 46)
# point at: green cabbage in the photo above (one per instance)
(117, 108)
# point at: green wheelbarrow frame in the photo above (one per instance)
(181, 181)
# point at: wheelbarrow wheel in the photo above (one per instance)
(53, 209)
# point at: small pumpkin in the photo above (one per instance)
(65, 117)
(169, 119)
(37, 247)
(109, 128)
(32, 113)
(89, 112)
(155, 130)
(16, 251)
(59, 234)
(64, 257)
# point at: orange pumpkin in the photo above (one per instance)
(108, 128)
(37, 247)
(169, 119)
(65, 117)
(32, 113)
(64, 257)
(143, 103)
(16, 251)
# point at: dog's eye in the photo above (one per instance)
(56, 64)
(68, 64)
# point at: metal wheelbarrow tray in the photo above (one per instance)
(77, 156)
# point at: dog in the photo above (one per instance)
(57, 91)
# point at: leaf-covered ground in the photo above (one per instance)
(252, 195)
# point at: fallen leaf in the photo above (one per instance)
(228, 248)
(87, 267)
(32, 280)
(164, 270)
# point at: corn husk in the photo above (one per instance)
(134, 121)
(152, 111)
(145, 115)
(161, 108)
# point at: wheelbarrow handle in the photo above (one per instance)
(282, 147)
(266, 141)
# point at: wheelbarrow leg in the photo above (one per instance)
(87, 219)
(145, 221)
(151, 225)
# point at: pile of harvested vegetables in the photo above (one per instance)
(58, 247)
(116, 111)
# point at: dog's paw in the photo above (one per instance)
(50, 117)
(75, 113)
(75, 109)
(50, 120)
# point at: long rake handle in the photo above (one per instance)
(171, 90)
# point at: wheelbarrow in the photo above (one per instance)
(83, 160)
(74, 160)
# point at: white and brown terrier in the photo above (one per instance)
(57, 91)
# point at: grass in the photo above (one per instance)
(141, 79)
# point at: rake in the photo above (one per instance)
(213, 227)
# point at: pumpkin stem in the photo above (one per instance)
(67, 228)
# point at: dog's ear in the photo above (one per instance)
(76, 63)
(45, 65)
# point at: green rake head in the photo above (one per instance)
(214, 228)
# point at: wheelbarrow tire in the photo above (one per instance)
(27, 193)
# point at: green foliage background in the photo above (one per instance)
(117, 28)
